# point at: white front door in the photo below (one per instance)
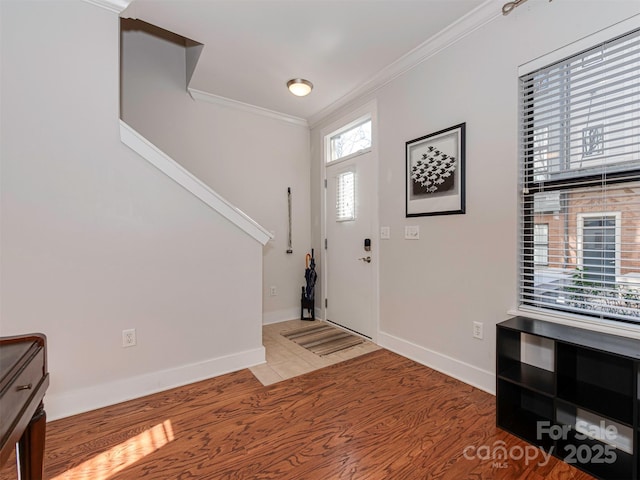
(351, 268)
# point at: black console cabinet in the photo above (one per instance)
(572, 392)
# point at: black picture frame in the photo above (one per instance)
(435, 173)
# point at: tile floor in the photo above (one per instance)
(286, 359)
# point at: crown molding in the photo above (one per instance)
(480, 16)
(477, 18)
(227, 102)
(116, 6)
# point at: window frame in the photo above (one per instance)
(563, 182)
(345, 128)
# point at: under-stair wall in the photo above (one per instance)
(94, 239)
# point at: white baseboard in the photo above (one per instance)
(469, 374)
(287, 314)
(65, 404)
(281, 315)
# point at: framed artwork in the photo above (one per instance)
(435, 173)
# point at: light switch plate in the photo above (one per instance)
(385, 233)
(411, 232)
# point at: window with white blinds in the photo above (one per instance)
(580, 183)
(346, 197)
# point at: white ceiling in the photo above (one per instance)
(253, 47)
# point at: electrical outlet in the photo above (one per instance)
(478, 330)
(273, 291)
(129, 337)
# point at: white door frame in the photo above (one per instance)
(371, 109)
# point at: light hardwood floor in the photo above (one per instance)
(378, 416)
(286, 359)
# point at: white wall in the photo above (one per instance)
(247, 158)
(463, 268)
(94, 239)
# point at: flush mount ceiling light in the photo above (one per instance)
(299, 86)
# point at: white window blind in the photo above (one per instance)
(580, 181)
(541, 243)
(346, 196)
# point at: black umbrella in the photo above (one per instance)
(308, 292)
(310, 275)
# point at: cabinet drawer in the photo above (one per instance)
(17, 396)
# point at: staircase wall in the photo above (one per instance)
(94, 239)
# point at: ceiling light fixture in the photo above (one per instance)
(299, 86)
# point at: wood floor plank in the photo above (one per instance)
(378, 416)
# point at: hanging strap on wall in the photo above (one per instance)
(289, 243)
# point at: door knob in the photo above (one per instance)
(365, 259)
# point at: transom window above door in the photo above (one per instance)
(349, 140)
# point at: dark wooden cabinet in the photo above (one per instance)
(573, 392)
(23, 382)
